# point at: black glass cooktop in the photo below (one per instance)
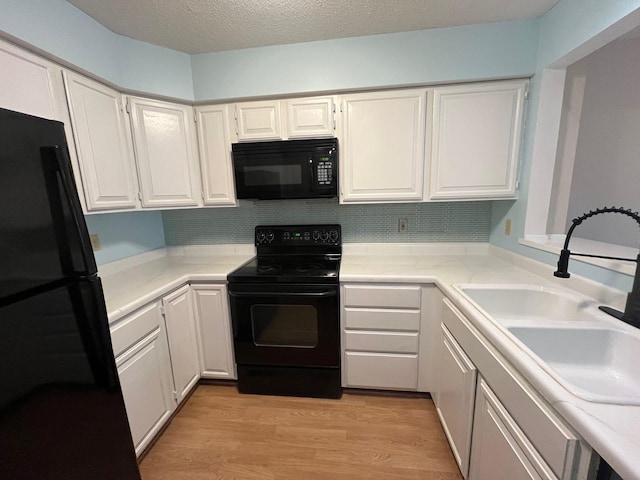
(288, 269)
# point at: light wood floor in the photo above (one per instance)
(221, 434)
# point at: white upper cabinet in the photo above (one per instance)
(28, 83)
(476, 140)
(166, 152)
(310, 117)
(214, 142)
(103, 144)
(259, 120)
(285, 119)
(382, 146)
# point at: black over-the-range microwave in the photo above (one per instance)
(286, 169)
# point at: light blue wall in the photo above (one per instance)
(126, 234)
(505, 49)
(61, 29)
(572, 23)
(564, 30)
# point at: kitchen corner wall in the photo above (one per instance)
(125, 234)
(428, 222)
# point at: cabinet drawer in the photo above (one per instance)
(133, 328)
(386, 371)
(381, 296)
(382, 342)
(373, 319)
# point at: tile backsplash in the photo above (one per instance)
(370, 223)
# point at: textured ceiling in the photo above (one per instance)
(200, 26)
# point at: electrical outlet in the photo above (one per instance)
(95, 241)
(507, 227)
(403, 226)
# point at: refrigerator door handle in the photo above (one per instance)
(87, 299)
(56, 165)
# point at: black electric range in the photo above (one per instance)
(293, 254)
(285, 312)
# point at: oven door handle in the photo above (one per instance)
(283, 294)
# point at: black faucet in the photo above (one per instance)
(631, 314)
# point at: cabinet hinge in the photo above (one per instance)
(139, 195)
(175, 396)
(517, 184)
(195, 117)
(162, 312)
(526, 93)
(127, 107)
(202, 194)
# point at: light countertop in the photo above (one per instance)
(612, 430)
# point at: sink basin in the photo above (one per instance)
(596, 364)
(506, 303)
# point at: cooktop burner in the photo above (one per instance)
(293, 254)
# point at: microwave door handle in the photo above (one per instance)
(314, 182)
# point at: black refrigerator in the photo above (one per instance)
(62, 415)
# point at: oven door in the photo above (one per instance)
(286, 325)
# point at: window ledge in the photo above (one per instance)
(554, 243)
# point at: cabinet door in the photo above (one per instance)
(382, 146)
(500, 449)
(212, 313)
(165, 146)
(476, 140)
(27, 83)
(259, 120)
(456, 395)
(214, 144)
(310, 117)
(103, 143)
(183, 340)
(145, 379)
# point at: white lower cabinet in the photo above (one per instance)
(183, 340)
(514, 433)
(214, 325)
(501, 450)
(144, 367)
(456, 397)
(380, 336)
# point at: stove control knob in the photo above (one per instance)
(316, 235)
(260, 236)
(270, 237)
(333, 235)
(324, 236)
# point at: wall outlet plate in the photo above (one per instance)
(507, 227)
(403, 225)
(95, 242)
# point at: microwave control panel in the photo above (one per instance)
(324, 171)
